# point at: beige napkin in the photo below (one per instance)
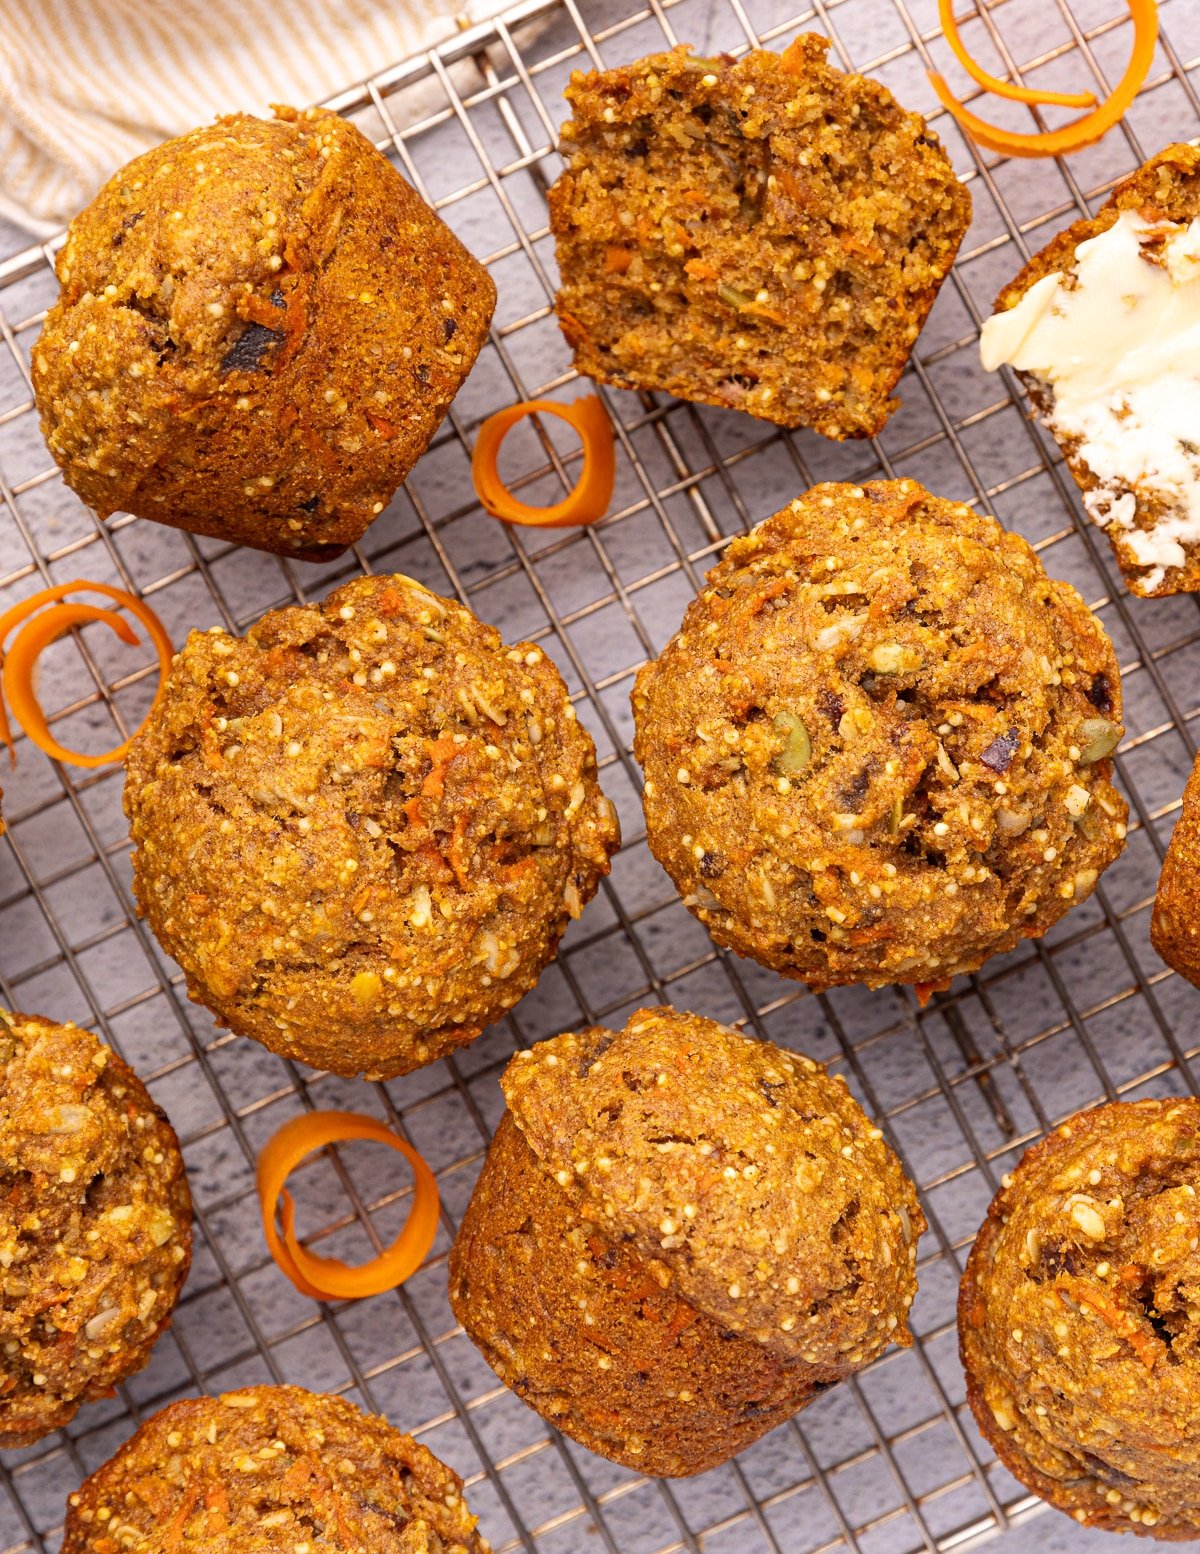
(86, 84)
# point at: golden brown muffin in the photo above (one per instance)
(1079, 1319)
(1127, 501)
(679, 1237)
(1175, 921)
(877, 750)
(362, 828)
(95, 1224)
(271, 1470)
(767, 235)
(259, 330)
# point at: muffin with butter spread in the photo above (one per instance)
(1102, 328)
(879, 747)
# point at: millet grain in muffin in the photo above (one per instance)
(95, 1224)
(878, 748)
(259, 329)
(362, 828)
(766, 235)
(1078, 1320)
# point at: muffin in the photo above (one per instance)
(767, 234)
(362, 828)
(679, 1237)
(259, 329)
(1099, 326)
(1175, 921)
(95, 1224)
(878, 748)
(267, 1469)
(1078, 1320)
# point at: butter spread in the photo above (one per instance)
(1119, 344)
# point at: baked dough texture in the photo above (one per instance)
(259, 329)
(766, 235)
(681, 1236)
(878, 748)
(1079, 1319)
(362, 828)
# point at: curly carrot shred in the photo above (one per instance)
(36, 631)
(1080, 132)
(592, 493)
(993, 84)
(328, 1278)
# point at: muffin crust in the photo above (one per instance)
(878, 747)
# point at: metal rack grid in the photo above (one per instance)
(890, 1461)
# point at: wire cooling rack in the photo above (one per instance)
(891, 1461)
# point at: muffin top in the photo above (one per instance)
(1079, 1324)
(742, 1173)
(362, 828)
(268, 1469)
(95, 1223)
(259, 328)
(878, 747)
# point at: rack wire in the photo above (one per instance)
(890, 1461)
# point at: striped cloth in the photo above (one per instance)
(87, 84)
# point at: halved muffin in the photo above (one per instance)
(767, 235)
